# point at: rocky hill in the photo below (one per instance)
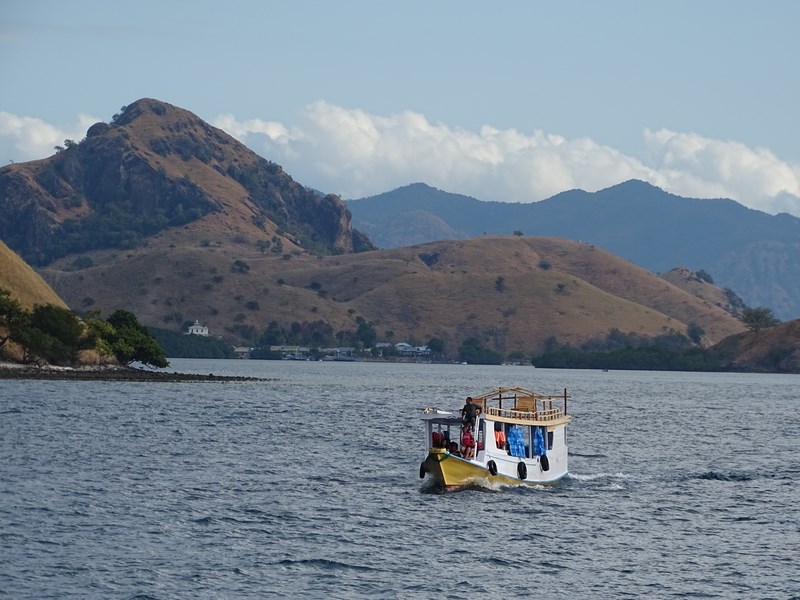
(157, 169)
(755, 254)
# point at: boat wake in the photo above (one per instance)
(609, 482)
(494, 486)
(429, 486)
(478, 485)
(594, 476)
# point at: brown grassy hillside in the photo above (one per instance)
(776, 349)
(25, 284)
(689, 281)
(511, 292)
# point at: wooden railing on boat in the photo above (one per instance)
(521, 404)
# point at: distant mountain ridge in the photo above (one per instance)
(755, 254)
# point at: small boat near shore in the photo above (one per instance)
(517, 437)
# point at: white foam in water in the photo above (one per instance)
(594, 476)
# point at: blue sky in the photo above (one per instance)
(513, 101)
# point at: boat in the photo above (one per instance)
(518, 438)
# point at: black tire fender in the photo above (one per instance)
(544, 462)
(492, 468)
(422, 470)
(522, 470)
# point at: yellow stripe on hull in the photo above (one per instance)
(451, 471)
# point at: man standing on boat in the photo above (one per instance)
(469, 413)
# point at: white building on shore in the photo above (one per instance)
(197, 329)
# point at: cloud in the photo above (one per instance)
(273, 130)
(353, 153)
(29, 138)
(691, 165)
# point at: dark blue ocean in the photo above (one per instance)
(682, 485)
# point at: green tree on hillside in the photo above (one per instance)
(56, 334)
(366, 333)
(474, 352)
(704, 276)
(273, 335)
(180, 345)
(132, 342)
(758, 318)
(436, 346)
(695, 332)
(49, 332)
(10, 315)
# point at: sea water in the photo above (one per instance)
(307, 486)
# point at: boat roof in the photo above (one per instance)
(441, 417)
(511, 405)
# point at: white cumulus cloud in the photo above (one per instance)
(28, 138)
(692, 165)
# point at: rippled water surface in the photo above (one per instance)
(681, 485)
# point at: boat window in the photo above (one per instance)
(440, 437)
(481, 430)
(549, 440)
(528, 438)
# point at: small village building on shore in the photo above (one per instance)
(404, 349)
(297, 352)
(242, 351)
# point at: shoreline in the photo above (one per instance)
(19, 372)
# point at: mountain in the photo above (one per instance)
(751, 252)
(158, 169)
